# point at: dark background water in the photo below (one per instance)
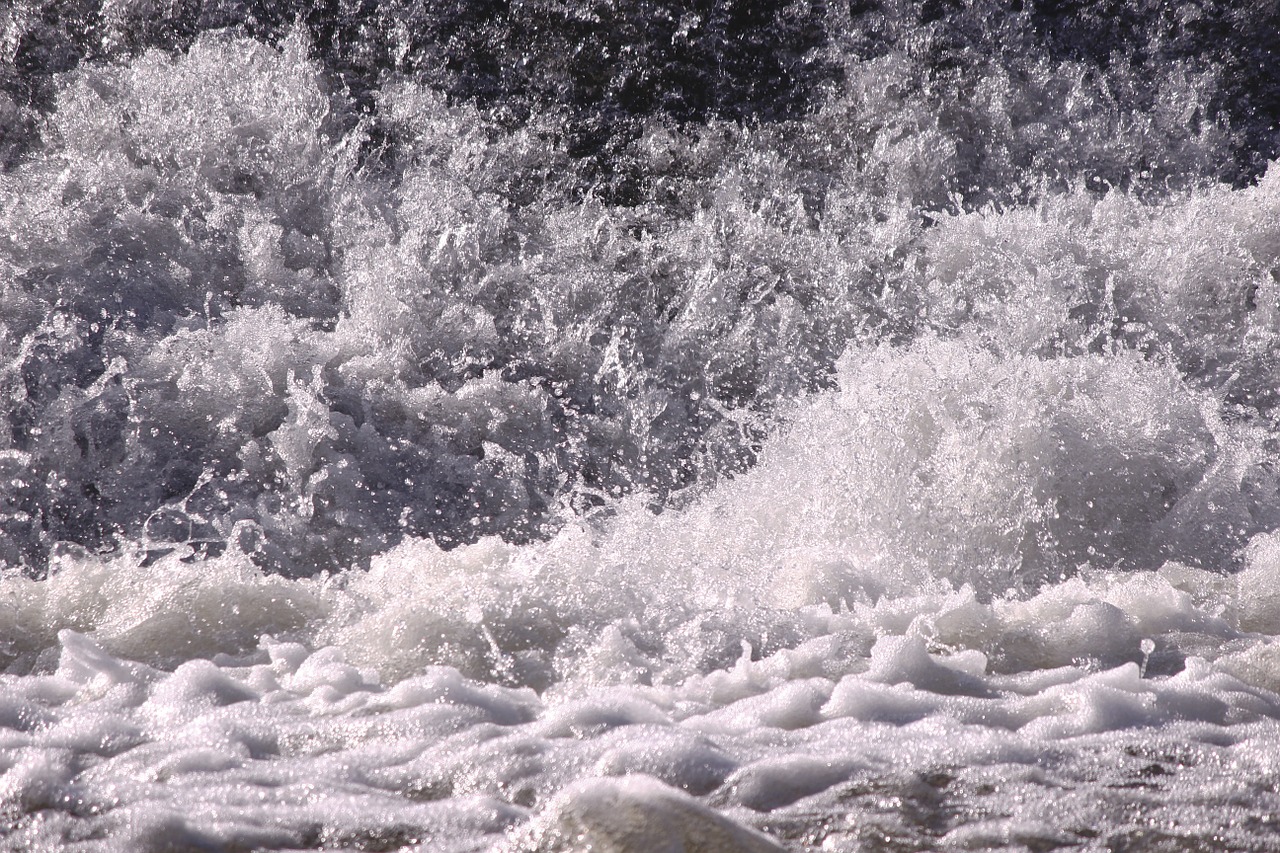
(614, 64)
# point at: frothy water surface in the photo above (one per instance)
(702, 427)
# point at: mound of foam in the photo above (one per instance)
(945, 461)
(635, 814)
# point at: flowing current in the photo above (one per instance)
(640, 427)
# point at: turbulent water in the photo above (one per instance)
(639, 427)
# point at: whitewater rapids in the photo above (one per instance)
(860, 433)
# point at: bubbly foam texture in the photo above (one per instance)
(384, 470)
